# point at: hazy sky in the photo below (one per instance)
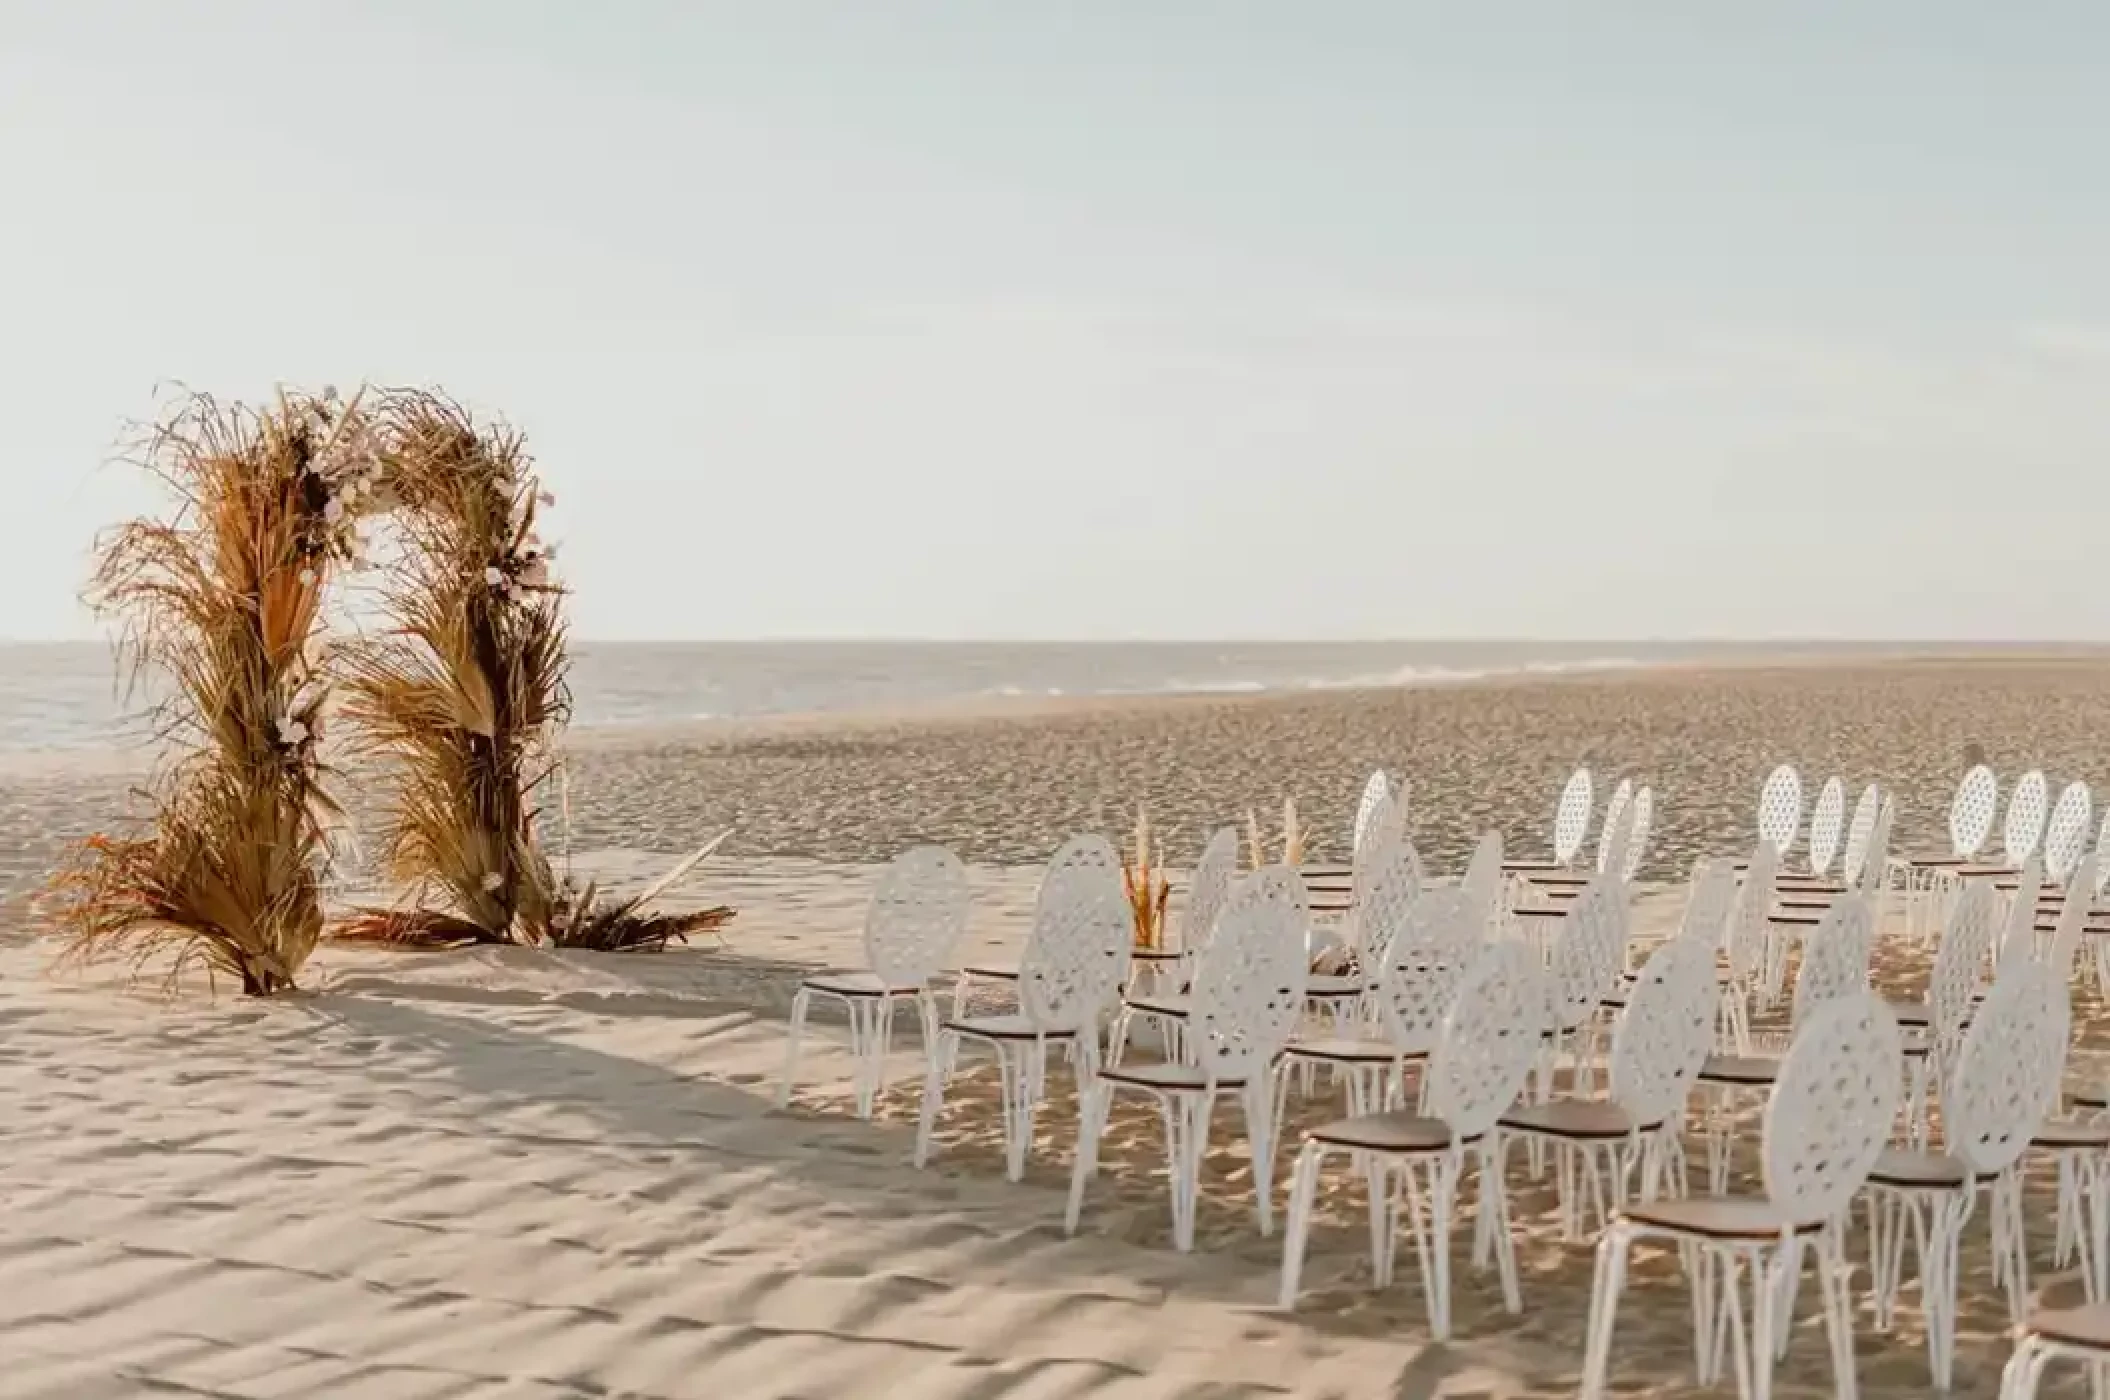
(1112, 318)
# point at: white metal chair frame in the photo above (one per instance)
(913, 926)
(1825, 1125)
(2006, 1082)
(1248, 993)
(1076, 958)
(1416, 1162)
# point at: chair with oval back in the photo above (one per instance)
(1571, 824)
(1826, 1122)
(1248, 994)
(2006, 1082)
(1780, 809)
(914, 924)
(1076, 958)
(1486, 1049)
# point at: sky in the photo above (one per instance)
(1117, 319)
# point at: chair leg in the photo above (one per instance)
(1493, 1233)
(1833, 1275)
(1610, 1281)
(1384, 1194)
(801, 1003)
(1187, 1118)
(1022, 1066)
(2018, 1379)
(1259, 1101)
(871, 1036)
(1303, 1188)
(935, 1075)
(1094, 1102)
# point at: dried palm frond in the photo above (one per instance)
(464, 694)
(219, 601)
(1292, 847)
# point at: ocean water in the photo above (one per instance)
(66, 696)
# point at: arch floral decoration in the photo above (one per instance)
(460, 699)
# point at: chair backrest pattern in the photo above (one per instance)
(1249, 985)
(1860, 832)
(1834, 956)
(1832, 1107)
(2024, 826)
(1571, 816)
(1780, 808)
(1971, 813)
(2066, 836)
(2007, 1078)
(917, 917)
(1489, 1041)
(1211, 885)
(1826, 819)
(1083, 929)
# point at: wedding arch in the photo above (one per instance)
(456, 701)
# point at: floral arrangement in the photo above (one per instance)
(462, 698)
(1147, 888)
(220, 599)
(1292, 843)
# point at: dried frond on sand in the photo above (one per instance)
(219, 601)
(463, 695)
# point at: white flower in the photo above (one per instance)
(291, 732)
(307, 578)
(492, 880)
(333, 511)
(495, 577)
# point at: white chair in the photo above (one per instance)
(1075, 959)
(1657, 1050)
(1826, 1122)
(1339, 995)
(1615, 839)
(1834, 965)
(1827, 823)
(1780, 809)
(1640, 824)
(1940, 1020)
(1615, 819)
(1248, 993)
(1377, 788)
(1571, 823)
(2066, 835)
(2006, 1081)
(1747, 940)
(913, 926)
(1930, 883)
(1482, 883)
(1167, 1010)
(1393, 897)
(2024, 826)
(1589, 956)
(1489, 1041)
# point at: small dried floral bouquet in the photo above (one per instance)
(1147, 889)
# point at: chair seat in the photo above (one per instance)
(1574, 1120)
(2065, 1134)
(1353, 1052)
(992, 972)
(1905, 1170)
(1332, 988)
(2087, 1327)
(1002, 1028)
(1717, 1218)
(860, 984)
(1400, 1132)
(1154, 955)
(1177, 1008)
(1750, 1070)
(1171, 1078)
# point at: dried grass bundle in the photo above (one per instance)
(1292, 847)
(220, 601)
(1146, 887)
(463, 696)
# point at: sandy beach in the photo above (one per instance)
(525, 1175)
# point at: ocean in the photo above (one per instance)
(65, 696)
